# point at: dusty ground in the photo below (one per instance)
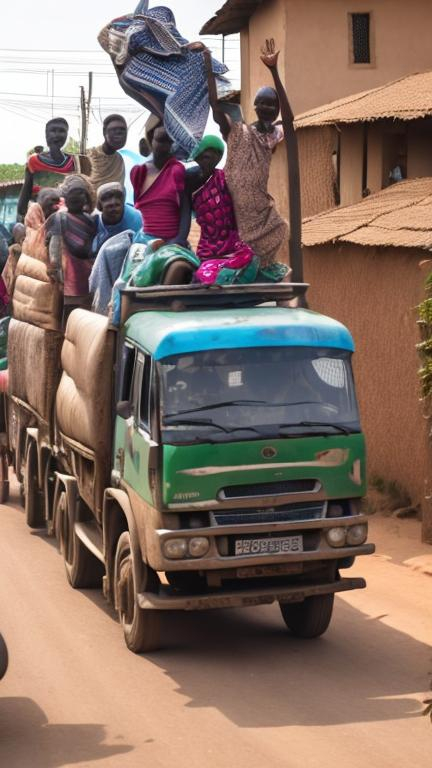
(230, 688)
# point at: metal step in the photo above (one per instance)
(91, 536)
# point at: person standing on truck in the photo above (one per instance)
(70, 236)
(250, 149)
(48, 202)
(107, 164)
(47, 169)
(222, 253)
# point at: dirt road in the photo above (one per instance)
(229, 689)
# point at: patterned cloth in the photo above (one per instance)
(47, 173)
(214, 212)
(105, 168)
(247, 172)
(70, 250)
(155, 68)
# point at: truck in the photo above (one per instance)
(206, 454)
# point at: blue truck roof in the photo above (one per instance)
(174, 333)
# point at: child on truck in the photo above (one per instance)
(70, 236)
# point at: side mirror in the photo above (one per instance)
(124, 409)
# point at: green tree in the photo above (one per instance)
(11, 172)
(72, 147)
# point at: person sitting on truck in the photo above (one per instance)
(115, 216)
(158, 187)
(70, 236)
(159, 195)
(222, 253)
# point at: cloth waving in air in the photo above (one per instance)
(156, 68)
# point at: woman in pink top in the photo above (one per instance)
(159, 191)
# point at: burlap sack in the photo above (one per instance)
(36, 299)
(34, 366)
(84, 396)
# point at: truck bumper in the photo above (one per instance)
(164, 600)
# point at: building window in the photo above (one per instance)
(360, 38)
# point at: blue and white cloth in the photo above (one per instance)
(155, 67)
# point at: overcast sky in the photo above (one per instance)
(50, 43)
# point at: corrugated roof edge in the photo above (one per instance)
(333, 112)
(367, 222)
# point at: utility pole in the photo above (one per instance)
(85, 112)
(83, 142)
(52, 93)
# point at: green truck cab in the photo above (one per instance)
(208, 453)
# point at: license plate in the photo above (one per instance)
(279, 546)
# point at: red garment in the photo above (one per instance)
(160, 203)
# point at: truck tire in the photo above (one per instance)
(83, 569)
(4, 477)
(310, 618)
(141, 628)
(33, 498)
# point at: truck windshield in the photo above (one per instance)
(244, 394)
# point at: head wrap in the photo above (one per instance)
(110, 186)
(110, 119)
(208, 142)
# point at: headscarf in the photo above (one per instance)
(208, 142)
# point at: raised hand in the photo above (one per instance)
(269, 54)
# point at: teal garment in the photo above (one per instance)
(155, 263)
(247, 274)
(273, 273)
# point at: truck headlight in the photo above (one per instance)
(174, 549)
(198, 546)
(336, 537)
(356, 535)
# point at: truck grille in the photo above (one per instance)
(292, 513)
(269, 489)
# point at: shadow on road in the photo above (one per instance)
(26, 734)
(245, 664)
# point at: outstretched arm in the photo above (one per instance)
(269, 58)
(219, 115)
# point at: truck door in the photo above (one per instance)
(139, 447)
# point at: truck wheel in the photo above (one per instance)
(309, 618)
(83, 569)
(141, 628)
(33, 498)
(4, 477)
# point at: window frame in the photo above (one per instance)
(371, 64)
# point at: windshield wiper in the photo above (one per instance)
(337, 427)
(208, 422)
(200, 422)
(215, 405)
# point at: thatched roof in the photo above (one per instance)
(231, 18)
(399, 216)
(406, 99)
